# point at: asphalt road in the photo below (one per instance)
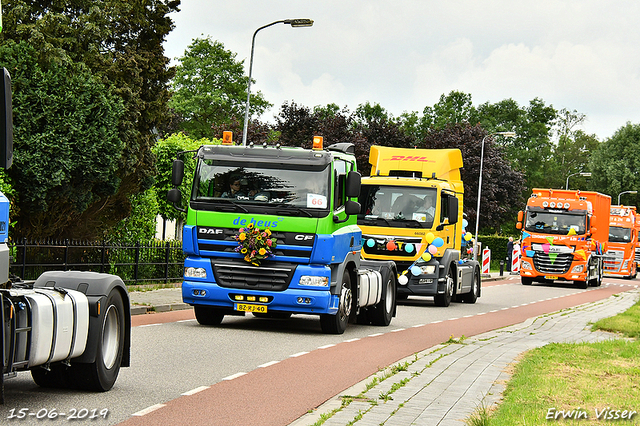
(172, 355)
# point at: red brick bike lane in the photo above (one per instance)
(282, 392)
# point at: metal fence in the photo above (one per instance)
(152, 261)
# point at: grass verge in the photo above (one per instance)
(577, 384)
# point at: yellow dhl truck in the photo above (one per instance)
(412, 214)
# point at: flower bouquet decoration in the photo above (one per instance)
(254, 244)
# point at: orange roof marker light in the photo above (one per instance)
(317, 143)
(227, 138)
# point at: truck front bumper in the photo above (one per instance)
(423, 285)
(295, 298)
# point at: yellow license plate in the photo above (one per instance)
(551, 277)
(245, 307)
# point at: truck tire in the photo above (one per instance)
(526, 280)
(472, 296)
(206, 315)
(382, 313)
(337, 324)
(444, 300)
(101, 374)
(581, 284)
(55, 377)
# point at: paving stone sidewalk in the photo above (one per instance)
(444, 385)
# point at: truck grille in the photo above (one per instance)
(249, 277)
(613, 261)
(637, 254)
(542, 262)
(222, 244)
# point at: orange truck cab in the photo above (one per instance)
(623, 240)
(637, 215)
(564, 236)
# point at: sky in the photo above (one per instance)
(581, 55)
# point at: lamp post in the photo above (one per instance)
(625, 192)
(574, 174)
(295, 23)
(475, 243)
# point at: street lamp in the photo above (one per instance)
(295, 23)
(506, 135)
(625, 192)
(573, 174)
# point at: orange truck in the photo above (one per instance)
(564, 236)
(637, 215)
(623, 240)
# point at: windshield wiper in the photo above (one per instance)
(230, 201)
(374, 220)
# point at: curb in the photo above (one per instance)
(140, 309)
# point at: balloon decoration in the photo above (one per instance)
(391, 245)
(432, 249)
(415, 270)
(429, 237)
(408, 247)
(438, 242)
(402, 279)
(468, 236)
(371, 242)
(426, 256)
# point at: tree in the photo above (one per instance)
(166, 150)
(119, 44)
(66, 146)
(453, 108)
(572, 152)
(531, 151)
(502, 186)
(615, 162)
(210, 88)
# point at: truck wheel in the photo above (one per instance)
(337, 324)
(526, 280)
(207, 315)
(472, 296)
(444, 299)
(382, 313)
(102, 373)
(55, 377)
(581, 284)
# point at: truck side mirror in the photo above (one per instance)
(351, 207)
(177, 172)
(353, 184)
(520, 216)
(518, 225)
(174, 196)
(453, 210)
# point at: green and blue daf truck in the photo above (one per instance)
(272, 230)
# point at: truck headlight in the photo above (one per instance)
(191, 272)
(577, 269)
(524, 264)
(314, 281)
(428, 269)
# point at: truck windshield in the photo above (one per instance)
(398, 206)
(260, 185)
(555, 223)
(619, 235)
